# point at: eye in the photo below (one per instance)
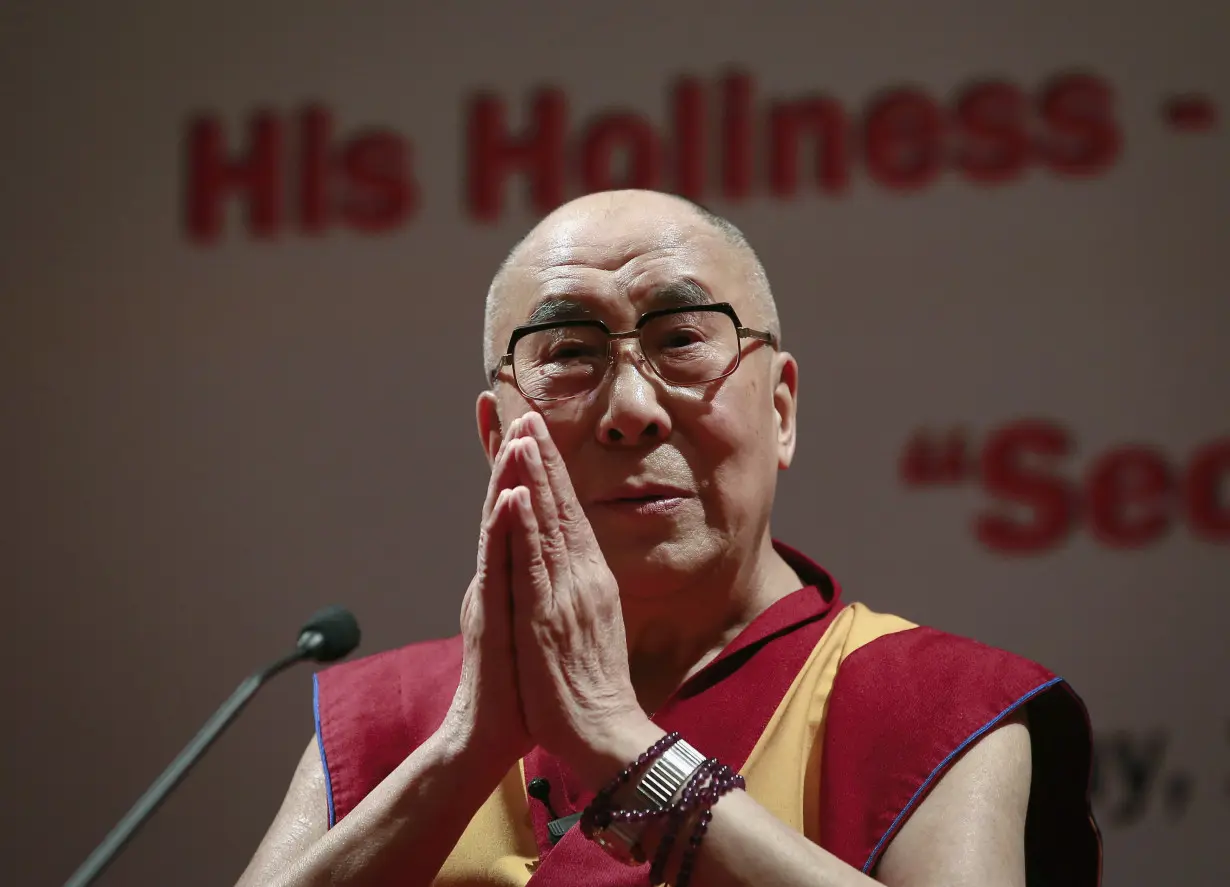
(571, 350)
(562, 346)
(678, 338)
(680, 334)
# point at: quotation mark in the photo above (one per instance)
(1190, 112)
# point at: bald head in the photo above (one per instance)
(622, 211)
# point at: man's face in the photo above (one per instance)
(674, 480)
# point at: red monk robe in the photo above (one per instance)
(841, 720)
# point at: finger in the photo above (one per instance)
(531, 583)
(495, 587)
(503, 473)
(533, 475)
(568, 509)
(492, 548)
(491, 595)
(519, 427)
(493, 551)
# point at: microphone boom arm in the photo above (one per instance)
(111, 845)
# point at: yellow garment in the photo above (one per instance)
(782, 771)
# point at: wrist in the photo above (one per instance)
(482, 760)
(605, 755)
(660, 790)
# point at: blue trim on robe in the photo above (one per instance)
(944, 764)
(320, 743)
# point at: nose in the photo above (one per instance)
(634, 413)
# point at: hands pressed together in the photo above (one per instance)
(545, 654)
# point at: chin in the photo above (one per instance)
(649, 567)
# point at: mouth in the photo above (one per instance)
(645, 500)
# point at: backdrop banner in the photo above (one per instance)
(244, 256)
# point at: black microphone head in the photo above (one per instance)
(330, 634)
(539, 788)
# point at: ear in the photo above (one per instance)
(490, 431)
(785, 406)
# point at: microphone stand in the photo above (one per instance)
(184, 761)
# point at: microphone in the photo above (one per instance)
(329, 635)
(540, 790)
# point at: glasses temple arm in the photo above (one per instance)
(763, 336)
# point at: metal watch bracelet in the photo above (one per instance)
(664, 781)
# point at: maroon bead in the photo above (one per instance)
(694, 794)
(598, 815)
(721, 785)
(707, 785)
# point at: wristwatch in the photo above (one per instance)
(657, 789)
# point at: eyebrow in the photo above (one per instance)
(560, 309)
(681, 293)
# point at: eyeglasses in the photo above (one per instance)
(684, 346)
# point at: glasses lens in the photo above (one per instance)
(560, 362)
(690, 347)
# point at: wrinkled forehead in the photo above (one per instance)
(619, 265)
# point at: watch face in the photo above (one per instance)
(623, 850)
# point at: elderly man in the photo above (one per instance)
(647, 687)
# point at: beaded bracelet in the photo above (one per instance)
(599, 814)
(678, 812)
(702, 792)
(725, 782)
(708, 783)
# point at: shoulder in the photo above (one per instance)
(906, 676)
(409, 682)
(370, 713)
(907, 704)
(426, 663)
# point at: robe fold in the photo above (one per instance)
(839, 718)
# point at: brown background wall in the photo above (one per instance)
(204, 442)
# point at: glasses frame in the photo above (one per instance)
(635, 333)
